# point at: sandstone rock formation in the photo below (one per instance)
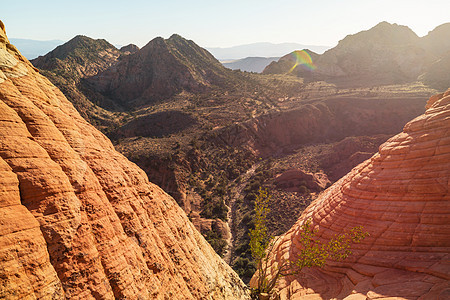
(295, 178)
(77, 219)
(401, 197)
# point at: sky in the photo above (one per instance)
(216, 23)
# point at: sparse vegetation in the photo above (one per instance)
(216, 241)
(201, 140)
(313, 252)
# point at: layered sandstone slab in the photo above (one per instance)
(77, 219)
(401, 197)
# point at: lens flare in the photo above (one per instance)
(303, 59)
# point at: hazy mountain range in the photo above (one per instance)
(33, 48)
(249, 64)
(261, 50)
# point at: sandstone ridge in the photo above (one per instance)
(401, 197)
(77, 219)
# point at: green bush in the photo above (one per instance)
(313, 251)
(303, 189)
(216, 241)
(214, 208)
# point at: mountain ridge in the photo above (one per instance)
(250, 64)
(161, 69)
(385, 54)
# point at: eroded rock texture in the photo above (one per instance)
(401, 197)
(77, 219)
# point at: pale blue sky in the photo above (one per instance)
(216, 23)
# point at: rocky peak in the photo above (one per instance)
(383, 33)
(85, 55)
(78, 45)
(129, 49)
(438, 40)
(159, 70)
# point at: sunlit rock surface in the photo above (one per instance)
(77, 219)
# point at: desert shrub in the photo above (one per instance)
(216, 241)
(314, 252)
(244, 267)
(214, 208)
(242, 248)
(303, 189)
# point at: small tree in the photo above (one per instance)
(313, 251)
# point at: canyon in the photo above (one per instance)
(197, 128)
(126, 166)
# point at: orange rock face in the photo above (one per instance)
(77, 219)
(401, 197)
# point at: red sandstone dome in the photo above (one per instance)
(77, 219)
(401, 197)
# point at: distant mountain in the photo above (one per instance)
(261, 50)
(33, 48)
(69, 64)
(250, 64)
(83, 55)
(159, 70)
(385, 54)
(287, 63)
(99, 78)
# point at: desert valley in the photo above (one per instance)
(136, 173)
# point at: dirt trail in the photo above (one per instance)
(236, 193)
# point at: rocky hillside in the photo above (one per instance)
(401, 198)
(437, 40)
(293, 63)
(385, 54)
(78, 220)
(69, 64)
(159, 70)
